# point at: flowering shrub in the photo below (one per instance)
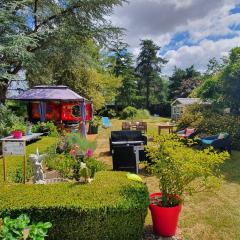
(182, 170)
(211, 122)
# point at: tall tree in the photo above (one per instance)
(183, 82)
(149, 66)
(28, 26)
(122, 66)
(231, 81)
(82, 71)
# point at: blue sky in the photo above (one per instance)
(189, 31)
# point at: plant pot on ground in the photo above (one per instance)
(181, 170)
(94, 124)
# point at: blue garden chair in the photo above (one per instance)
(106, 122)
(220, 141)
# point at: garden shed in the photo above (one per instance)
(56, 103)
(178, 106)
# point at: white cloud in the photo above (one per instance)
(160, 20)
(199, 55)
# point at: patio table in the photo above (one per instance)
(168, 126)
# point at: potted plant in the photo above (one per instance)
(181, 170)
(94, 124)
(19, 130)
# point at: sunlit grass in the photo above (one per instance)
(205, 216)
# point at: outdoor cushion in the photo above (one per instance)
(208, 141)
(221, 136)
(181, 132)
(189, 131)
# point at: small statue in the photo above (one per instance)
(29, 129)
(36, 159)
(85, 173)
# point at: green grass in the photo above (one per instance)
(15, 162)
(204, 216)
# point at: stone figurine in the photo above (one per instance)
(36, 160)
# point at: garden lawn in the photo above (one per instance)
(204, 216)
(14, 163)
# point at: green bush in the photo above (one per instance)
(133, 113)
(95, 164)
(182, 170)
(142, 114)
(61, 162)
(129, 113)
(9, 121)
(76, 139)
(42, 127)
(111, 207)
(111, 113)
(210, 121)
(96, 121)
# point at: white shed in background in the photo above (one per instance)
(178, 105)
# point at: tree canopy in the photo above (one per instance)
(183, 81)
(33, 26)
(149, 66)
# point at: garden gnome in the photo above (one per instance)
(36, 159)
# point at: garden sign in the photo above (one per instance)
(16, 147)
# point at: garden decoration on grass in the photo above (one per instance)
(36, 159)
(180, 170)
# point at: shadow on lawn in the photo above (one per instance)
(231, 168)
(104, 154)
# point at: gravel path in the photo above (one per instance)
(149, 235)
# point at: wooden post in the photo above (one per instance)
(24, 163)
(4, 169)
(24, 169)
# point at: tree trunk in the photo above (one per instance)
(147, 93)
(3, 90)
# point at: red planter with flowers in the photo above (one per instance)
(165, 219)
(17, 134)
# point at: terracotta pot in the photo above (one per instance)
(165, 219)
(17, 134)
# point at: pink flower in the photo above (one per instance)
(89, 152)
(73, 152)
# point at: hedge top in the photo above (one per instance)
(108, 190)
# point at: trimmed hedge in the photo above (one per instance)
(111, 207)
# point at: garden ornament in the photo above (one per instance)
(85, 173)
(36, 159)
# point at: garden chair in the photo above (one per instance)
(126, 125)
(187, 133)
(142, 126)
(124, 159)
(220, 141)
(106, 122)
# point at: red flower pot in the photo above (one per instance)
(17, 134)
(165, 219)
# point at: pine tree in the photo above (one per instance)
(149, 66)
